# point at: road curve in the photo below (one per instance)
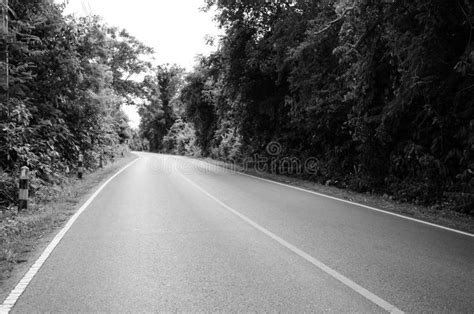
(175, 234)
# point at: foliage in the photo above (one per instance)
(137, 143)
(198, 106)
(157, 113)
(68, 80)
(181, 139)
(380, 93)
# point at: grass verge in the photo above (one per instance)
(24, 236)
(435, 214)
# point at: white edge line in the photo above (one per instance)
(346, 201)
(24, 282)
(341, 278)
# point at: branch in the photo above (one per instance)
(335, 21)
(468, 20)
(369, 31)
(365, 35)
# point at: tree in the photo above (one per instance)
(69, 78)
(380, 93)
(157, 113)
(198, 107)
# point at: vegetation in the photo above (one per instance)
(68, 78)
(157, 113)
(379, 92)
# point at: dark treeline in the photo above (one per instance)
(68, 78)
(380, 92)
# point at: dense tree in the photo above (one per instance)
(160, 90)
(68, 80)
(181, 139)
(198, 106)
(380, 92)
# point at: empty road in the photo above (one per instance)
(174, 234)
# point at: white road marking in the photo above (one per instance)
(15, 294)
(362, 205)
(345, 201)
(346, 281)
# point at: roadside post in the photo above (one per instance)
(80, 165)
(101, 159)
(23, 191)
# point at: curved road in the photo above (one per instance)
(174, 234)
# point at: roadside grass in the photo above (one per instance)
(435, 214)
(25, 234)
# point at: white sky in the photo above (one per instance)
(174, 28)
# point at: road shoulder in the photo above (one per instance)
(439, 216)
(28, 234)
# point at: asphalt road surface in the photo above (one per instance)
(174, 234)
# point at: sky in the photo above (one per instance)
(176, 29)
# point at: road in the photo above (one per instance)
(174, 234)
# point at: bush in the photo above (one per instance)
(8, 190)
(181, 139)
(228, 147)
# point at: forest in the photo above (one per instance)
(378, 93)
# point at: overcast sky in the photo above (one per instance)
(174, 28)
